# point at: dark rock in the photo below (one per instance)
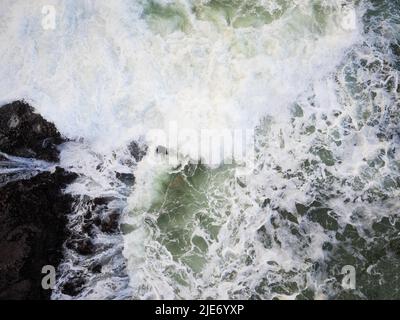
(127, 178)
(32, 232)
(97, 221)
(111, 223)
(137, 151)
(74, 286)
(24, 133)
(264, 237)
(96, 268)
(22, 174)
(102, 201)
(266, 202)
(325, 217)
(394, 246)
(395, 49)
(85, 247)
(87, 227)
(82, 246)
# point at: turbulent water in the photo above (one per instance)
(316, 81)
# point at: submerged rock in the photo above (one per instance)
(82, 246)
(24, 133)
(137, 151)
(74, 285)
(32, 232)
(34, 226)
(93, 220)
(111, 223)
(126, 178)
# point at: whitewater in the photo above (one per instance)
(315, 81)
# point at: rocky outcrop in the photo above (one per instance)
(40, 225)
(98, 217)
(25, 133)
(137, 151)
(32, 232)
(33, 210)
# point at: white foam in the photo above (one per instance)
(103, 75)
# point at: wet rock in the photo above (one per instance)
(97, 218)
(266, 203)
(14, 176)
(32, 232)
(24, 133)
(264, 237)
(74, 286)
(83, 246)
(394, 246)
(306, 294)
(96, 268)
(102, 201)
(126, 178)
(97, 221)
(288, 216)
(111, 223)
(87, 227)
(138, 152)
(395, 49)
(325, 217)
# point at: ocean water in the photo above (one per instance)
(316, 81)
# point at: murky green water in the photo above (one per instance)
(347, 218)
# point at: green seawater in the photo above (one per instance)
(362, 231)
(188, 211)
